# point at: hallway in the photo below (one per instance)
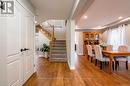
(53, 74)
(86, 74)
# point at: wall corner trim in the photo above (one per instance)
(70, 66)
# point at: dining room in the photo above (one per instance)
(102, 35)
(111, 45)
(104, 57)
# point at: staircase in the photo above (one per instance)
(58, 51)
(57, 47)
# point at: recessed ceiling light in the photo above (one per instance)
(35, 22)
(120, 17)
(85, 17)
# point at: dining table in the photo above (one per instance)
(112, 54)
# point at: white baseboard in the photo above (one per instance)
(71, 67)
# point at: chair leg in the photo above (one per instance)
(105, 63)
(116, 63)
(126, 65)
(88, 57)
(91, 59)
(100, 64)
(95, 62)
(113, 65)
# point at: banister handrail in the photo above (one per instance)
(52, 35)
(53, 31)
(45, 32)
(53, 38)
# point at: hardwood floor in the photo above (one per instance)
(86, 74)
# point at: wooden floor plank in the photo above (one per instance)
(86, 74)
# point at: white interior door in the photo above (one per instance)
(3, 74)
(19, 35)
(28, 45)
(13, 46)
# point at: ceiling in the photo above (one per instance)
(102, 12)
(52, 9)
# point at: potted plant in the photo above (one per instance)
(45, 50)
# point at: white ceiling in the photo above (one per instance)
(103, 12)
(52, 9)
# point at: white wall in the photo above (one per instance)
(79, 42)
(40, 40)
(60, 33)
(70, 43)
(60, 36)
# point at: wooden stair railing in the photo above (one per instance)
(53, 39)
(49, 35)
(53, 31)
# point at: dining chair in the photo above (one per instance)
(109, 47)
(99, 56)
(90, 52)
(122, 48)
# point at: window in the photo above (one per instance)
(116, 36)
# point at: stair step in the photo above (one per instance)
(58, 45)
(58, 60)
(58, 48)
(58, 51)
(59, 55)
(60, 40)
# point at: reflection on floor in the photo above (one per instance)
(86, 74)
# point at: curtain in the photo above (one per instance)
(116, 36)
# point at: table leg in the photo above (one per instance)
(110, 65)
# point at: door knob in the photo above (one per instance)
(25, 49)
(22, 50)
